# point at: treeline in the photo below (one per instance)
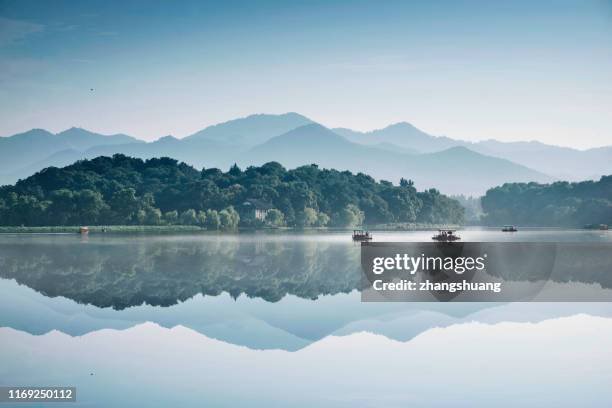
(126, 191)
(557, 204)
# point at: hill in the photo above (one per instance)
(24, 153)
(557, 204)
(123, 190)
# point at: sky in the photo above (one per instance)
(474, 70)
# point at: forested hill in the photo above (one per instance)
(558, 204)
(125, 190)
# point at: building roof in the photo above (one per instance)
(258, 204)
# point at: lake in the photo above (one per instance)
(276, 319)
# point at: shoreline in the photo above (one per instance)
(101, 229)
(113, 229)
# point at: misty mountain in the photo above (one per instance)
(215, 146)
(561, 162)
(25, 153)
(401, 134)
(252, 130)
(81, 139)
(455, 170)
(292, 140)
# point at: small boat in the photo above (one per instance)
(83, 230)
(446, 235)
(509, 228)
(361, 235)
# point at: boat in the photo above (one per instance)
(509, 228)
(83, 230)
(446, 235)
(361, 235)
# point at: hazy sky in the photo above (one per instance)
(509, 70)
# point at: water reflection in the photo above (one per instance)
(352, 353)
(120, 272)
(126, 270)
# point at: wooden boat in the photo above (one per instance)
(361, 235)
(446, 235)
(509, 228)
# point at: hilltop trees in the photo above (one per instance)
(557, 204)
(124, 190)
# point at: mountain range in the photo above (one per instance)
(399, 150)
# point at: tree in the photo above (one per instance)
(275, 218)
(306, 218)
(235, 170)
(62, 208)
(349, 216)
(125, 204)
(125, 190)
(229, 218)
(201, 218)
(322, 219)
(189, 217)
(213, 221)
(171, 217)
(90, 206)
(153, 216)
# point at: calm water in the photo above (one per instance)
(275, 319)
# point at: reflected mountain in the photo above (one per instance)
(254, 290)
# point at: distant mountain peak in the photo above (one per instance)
(311, 130)
(402, 125)
(251, 130)
(167, 138)
(32, 132)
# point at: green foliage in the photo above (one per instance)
(557, 204)
(229, 218)
(153, 216)
(349, 216)
(189, 217)
(275, 218)
(127, 191)
(439, 209)
(306, 217)
(201, 218)
(213, 221)
(322, 220)
(125, 204)
(171, 217)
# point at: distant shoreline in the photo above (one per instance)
(98, 229)
(153, 229)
